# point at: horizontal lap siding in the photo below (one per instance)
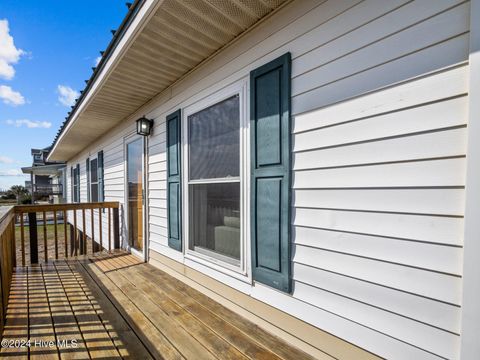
(378, 137)
(378, 184)
(157, 196)
(379, 203)
(114, 185)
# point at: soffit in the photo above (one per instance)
(175, 39)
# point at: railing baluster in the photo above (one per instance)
(92, 222)
(22, 238)
(116, 229)
(75, 231)
(32, 227)
(84, 247)
(55, 233)
(100, 227)
(14, 241)
(65, 232)
(45, 240)
(109, 230)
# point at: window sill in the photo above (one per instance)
(217, 266)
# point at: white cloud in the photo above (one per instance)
(10, 96)
(97, 60)
(31, 124)
(66, 95)
(9, 53)
(11, 172)
(5, 160)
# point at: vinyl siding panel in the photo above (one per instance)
(114, 184)
(380, 104)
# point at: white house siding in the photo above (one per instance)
(379, 140)
(113, 179)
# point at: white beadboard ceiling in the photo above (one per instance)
(174, 37)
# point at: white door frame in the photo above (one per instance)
(127, 140)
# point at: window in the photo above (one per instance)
(214, 181)
(72, 188)
(93, 180)
(101, 190)
(76, 183)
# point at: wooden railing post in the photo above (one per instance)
(32, 225)
(116, 229)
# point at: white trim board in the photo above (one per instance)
(470, 346)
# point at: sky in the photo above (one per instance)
(47, 51)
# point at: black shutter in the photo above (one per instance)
(87, 165)
(270, 170)
(77, 179)
(101, 190)
(174, 191)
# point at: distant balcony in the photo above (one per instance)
(47, 189)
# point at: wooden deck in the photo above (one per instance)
(113, 306)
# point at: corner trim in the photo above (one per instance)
(470, 346)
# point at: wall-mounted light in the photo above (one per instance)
(144, 126)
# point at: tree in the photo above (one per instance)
(19, 191)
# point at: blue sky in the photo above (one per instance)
(47, 50)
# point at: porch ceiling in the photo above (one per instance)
(166, 40)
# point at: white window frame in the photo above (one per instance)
(242, 271)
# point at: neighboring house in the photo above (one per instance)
(47, 178)
(307, 165)
(28, 185)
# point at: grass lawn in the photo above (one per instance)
(40, 243)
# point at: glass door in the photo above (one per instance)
(135, 178)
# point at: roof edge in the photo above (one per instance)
(117, 36)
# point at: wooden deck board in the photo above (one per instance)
(157, 344)
(187, 345)
(114, 306)
(126, 341)
(97, 339)
(64, 321)
(270, 342)
(16, 326)
(223, 328)
(41, 328)
(177, 316)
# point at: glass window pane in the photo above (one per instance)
(135, 187)
(93, 171)
(215, 219)
(214, 141)
(75, 173)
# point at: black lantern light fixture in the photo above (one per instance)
(144, 126)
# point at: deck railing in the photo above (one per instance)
(7, 257)
(64, 234)
(62, 222)
(48, 189)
